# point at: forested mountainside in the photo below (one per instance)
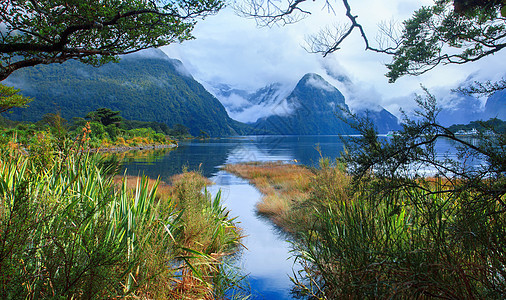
(148, 86)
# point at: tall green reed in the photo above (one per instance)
(67, 231)
(427, 239)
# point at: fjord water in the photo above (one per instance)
(266, 258)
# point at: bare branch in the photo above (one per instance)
(329, 48)
(444, 33)
(389, 33)
(268, 12)
(323, 40)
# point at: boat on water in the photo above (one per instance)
(392, 133)
(472, 132)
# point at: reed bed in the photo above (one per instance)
(285, 188)
(68, 230)
(431, 238)
(428, 239)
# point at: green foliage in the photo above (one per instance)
(67, 231)
(148, 89)
(59, 209)
(93, 31)
(98, 131)
(448, 32)
(492, 125)
(204, 135)
(406, 243)
(106, 116)
(9, 98)
(411, 222)
(206, 226)
(181, 130)
(178, 130)
(54, 127)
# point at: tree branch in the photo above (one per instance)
(478, 88)
(43, 32)
(354, 24)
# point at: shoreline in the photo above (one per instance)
(130, 148)
(284, 188)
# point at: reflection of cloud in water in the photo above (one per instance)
(250, 152)
(266, 258)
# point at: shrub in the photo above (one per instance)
(54, 220)
(113, 131)
(392, 231)
(98, 131)
(67, 231)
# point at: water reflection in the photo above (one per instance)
(208, 156)
(266, 259)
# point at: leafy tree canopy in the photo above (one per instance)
(448, 34)
(10, 98)
(106, 116)
(92, 31)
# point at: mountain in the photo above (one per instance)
(382, 119)
(463, 109)
(312, 108)
(248, 107)
(146, 86)
(460, 110)
(496, 106)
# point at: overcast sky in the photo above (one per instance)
(233, 50)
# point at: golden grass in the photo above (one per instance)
(285, 188)
(164, 190)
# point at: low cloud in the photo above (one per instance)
(314, 82)
(234, 103)
(252, 113)
(233, 50)
(358, 95)
(249, 106)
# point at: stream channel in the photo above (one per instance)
(266, 258)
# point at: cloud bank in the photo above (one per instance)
(233, 50)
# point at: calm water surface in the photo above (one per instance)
(266, 259)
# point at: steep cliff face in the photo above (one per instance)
(315, 107)
(382, 119)
(311, 108)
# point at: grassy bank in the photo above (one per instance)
(285, 188)
(95, 134)
(103, 129)
(432, 238)
(69, 229)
